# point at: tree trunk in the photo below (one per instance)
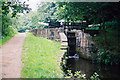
(104, 35)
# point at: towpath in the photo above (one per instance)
(11, 56)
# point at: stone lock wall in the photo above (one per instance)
(83, 40)
(83, 44)
(49, 33)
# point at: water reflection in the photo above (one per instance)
(89, 68)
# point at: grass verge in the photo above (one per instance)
(40, 58)
(5, 39)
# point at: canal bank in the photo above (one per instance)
(86, 63)
(88, 68)
(41, 58)
(86, 50)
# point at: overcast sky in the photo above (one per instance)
(32, 3)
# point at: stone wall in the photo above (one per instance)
(83, 44)
(84, 41)
(49, 33)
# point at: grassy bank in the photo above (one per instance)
(7, 34)
(40, 58)
(5, 39)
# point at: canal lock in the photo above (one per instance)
(72, 62)
(71, 52)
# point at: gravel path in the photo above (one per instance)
(11, 56)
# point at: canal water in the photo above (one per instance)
(88, 68)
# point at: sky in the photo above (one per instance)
(32, 3)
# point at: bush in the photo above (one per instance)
(80, 76)
(108, 57)
(10, 31)
(113, 25)
(8, 34)
(112, 53)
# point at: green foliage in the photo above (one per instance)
(112, 25)
(79, 75)
(46, 12)
(69, 11)
(92, 28)
(111, 55)
(14, 7)
(28, 22)
(95, 76)
(112, 38)
(9, 11)
(3, 40)
(10, 31)
(40, 58)
(108, 58)
(93, 50)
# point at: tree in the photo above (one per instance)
(11, 8)
(92, 12)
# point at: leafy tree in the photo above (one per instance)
(92, 12)
(46, 11)
(10, 10)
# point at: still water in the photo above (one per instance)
(88, 68)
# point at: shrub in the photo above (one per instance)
(10, 31)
